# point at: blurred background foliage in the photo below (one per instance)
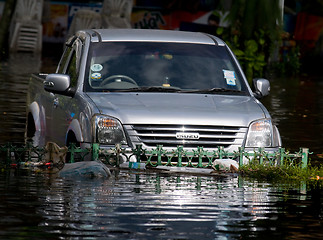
(254, 32)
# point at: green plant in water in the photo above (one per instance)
(286, 172)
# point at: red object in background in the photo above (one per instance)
(144, 18)
(308, 27)
(174, 19)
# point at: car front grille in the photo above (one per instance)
(191, 136)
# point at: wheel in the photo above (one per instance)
(118, 79)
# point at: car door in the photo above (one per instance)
(65, 108)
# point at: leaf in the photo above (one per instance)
(262, 41)
(251, 46)
(219, 31)
(260, 58)
(238, 52)
(236, 39)
(250, 65)
(257, 67)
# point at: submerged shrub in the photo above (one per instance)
(285, 172)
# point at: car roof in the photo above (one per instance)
(151, 35)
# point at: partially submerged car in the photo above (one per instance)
(149, 87)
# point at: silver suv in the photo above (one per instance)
(149, 87)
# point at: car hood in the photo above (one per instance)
(179, 108)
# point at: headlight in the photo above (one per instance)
(260, 134)
(108, 130)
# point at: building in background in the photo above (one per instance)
(302, 23)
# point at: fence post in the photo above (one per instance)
(159, 155)
(304, 157)
(220, 149)
(241, 150)
(201, 153)
(28, 150)
(281, 156)
(95, 151)
(261, 159)
(138, 152)
(72, 151)
(179, 152)
(8, 156)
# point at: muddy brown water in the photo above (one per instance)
(150, 205)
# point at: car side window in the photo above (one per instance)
(62, 64)
(72, 70)
(70, 62)
(75, 61)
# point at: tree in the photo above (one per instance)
(256, 27)
(252, 15)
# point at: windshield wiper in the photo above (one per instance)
(150, 89)
(175, 89)
(213, 90)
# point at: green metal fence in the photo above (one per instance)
(201, 158)
(179, 157)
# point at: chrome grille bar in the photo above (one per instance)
(208, 136)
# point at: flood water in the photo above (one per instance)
(155, 206)
(150, 205)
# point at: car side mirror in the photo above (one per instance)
(58, 83)
(261, 87)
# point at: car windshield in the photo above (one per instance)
(162, 67)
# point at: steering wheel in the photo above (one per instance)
(117, 79)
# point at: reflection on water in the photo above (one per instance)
(296, 105)
(155, 206)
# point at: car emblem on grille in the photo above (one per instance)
(187, 135)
